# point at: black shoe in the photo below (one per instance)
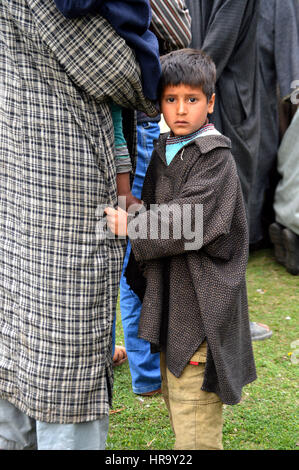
(275, 232)
(291, 245)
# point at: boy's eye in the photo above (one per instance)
(170, 100)
(192, 100)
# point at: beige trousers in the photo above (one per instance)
(195, 415)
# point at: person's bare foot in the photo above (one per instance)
(120, 356)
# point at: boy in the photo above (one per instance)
(195, 304)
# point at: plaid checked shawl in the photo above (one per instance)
(58, 282)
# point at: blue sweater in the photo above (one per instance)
(131, 20)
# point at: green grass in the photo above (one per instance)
(267, 416)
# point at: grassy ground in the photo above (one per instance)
(267, 416)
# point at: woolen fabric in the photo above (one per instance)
(197, 294)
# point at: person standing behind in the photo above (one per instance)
(171, 24)
(278, 40)
(284, 232)
(227, 31)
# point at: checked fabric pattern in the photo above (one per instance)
(58, 282)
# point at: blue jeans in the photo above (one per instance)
(144, 366)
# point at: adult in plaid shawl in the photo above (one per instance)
(58, 280)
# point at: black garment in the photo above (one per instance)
(226, 30)
(278, 40)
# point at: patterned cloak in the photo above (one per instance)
(58, 278)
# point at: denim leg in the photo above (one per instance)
(147, 132)
(144, 366)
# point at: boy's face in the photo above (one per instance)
(185, 108)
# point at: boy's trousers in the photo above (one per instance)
(195, 415)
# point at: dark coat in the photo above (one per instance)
(201, 293)
(227, 31)
(278, 39)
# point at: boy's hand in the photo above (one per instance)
(117, 221)
(130, 200)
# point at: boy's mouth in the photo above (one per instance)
(181, 122)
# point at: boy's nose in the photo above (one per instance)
(181, 107)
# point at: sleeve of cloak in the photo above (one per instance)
(94, 56)
(286, 45)
(201, 214)
(223, 30)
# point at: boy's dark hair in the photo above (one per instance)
(188, 67)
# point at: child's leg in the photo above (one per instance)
(196, 415)
(164, 385)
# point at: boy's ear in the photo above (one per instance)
(211, 104)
